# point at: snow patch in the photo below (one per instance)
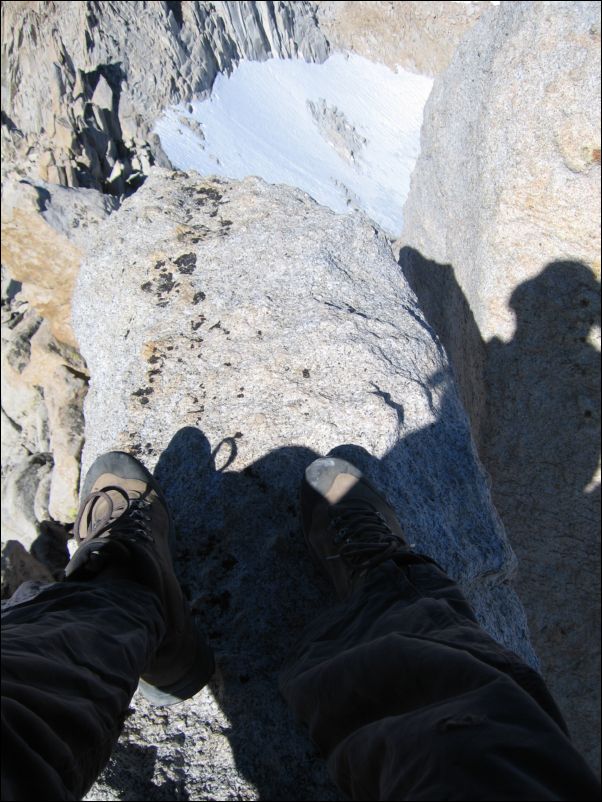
(347, 131)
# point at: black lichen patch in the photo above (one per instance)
(208, 194)
(198, 296)
(218, 325)
(150, 374)
(166, 282)
(305, 373)
(142, 394)
(186, 263)
(225, 226)
(147, 286)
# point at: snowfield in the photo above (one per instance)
(347, 131)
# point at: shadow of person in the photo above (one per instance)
(534, 407)
(132, 770)
(447, 310)
(542, 448)
(242, 561)
(245, 569)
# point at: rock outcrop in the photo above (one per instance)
(233, 332)
(17, 565)
(417, 36)
(44, 383)
(45, 231)
(501, 242)
(78, 110)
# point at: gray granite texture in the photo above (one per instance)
(501, 243)
(233, 332)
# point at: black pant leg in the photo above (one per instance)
(71, 659)
(409, 698)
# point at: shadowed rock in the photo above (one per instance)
(501, 242)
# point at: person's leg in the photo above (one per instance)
(73, 654)
(71, 659)
(402, 691)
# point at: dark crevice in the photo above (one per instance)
(176, 9)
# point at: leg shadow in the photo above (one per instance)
(241, 560)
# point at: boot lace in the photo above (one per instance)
(365, 538)
(133, 522)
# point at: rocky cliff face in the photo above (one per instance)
(78, 102)
(83, 82)
(417, 36)
(45, 231)
(502, 244)
(233, 332)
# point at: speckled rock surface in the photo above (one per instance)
(501, 242)
(233, 332)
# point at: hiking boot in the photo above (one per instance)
(125, 530)
(349, 527)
